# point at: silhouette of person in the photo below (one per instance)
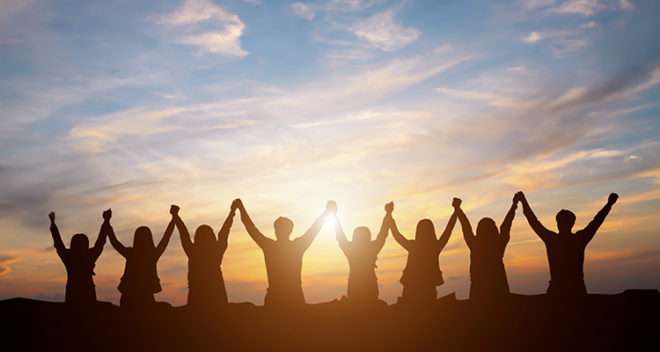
(206, 285)
(79, 261)
(422, 273)
(487, 274)
(284, 257)
(362, 254)
(140, 280)
(565, 249)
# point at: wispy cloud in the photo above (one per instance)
(5, 264)
(564, 41)
(383, 32)
(210, 27)
(580, 7)
(303, 10)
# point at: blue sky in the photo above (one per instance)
(137, 105)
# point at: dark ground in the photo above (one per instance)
(628, 321)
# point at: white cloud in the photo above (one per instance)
(381, 31)
(303, 10)
(532, 37)
(223, 39)
(580, 7)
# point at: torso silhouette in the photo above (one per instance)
(362, 281)
(79, 270)
(423, 266)
(566, 261)
(284, 266)
(205, 280)
(487, 273)
(140, 273)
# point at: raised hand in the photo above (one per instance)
(235, 204)
(331, 207)
(239, 204)
(107, 214)
(174, 210)
(519, 196)
(456, 203)
(389, 208)
(51, 216)
(612, 198)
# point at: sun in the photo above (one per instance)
(329, 222)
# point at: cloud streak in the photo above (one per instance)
(210, 27)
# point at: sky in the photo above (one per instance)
(138, 105)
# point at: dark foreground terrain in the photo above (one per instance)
(525, 323)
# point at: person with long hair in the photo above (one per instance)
(140, 280)
(487, 274)
(422, 274)
(206, 285)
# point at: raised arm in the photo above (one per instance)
(223, 235)
(120, 248)
(505, 227)
(308, 237)
(341, 236)
(379, 243)
(251, 229)
(103, 234)
(165, 240)
(590, 231)
(57, 238)
(468, 234)
(533, 221)
(184, 235)
(398, 237)
(444, 238)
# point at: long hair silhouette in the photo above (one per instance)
(422, 273)
(206, 285)
(487, 273)
(140, 280)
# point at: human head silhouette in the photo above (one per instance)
(487, 229)
(204, 236)
(425, 231)
(79, 243)
(361, 235)
(283, 228)
(565, 221)
(143, 240)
